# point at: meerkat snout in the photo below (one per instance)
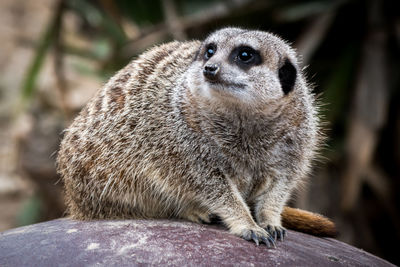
(210, 71)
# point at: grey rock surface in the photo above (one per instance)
(66, 242)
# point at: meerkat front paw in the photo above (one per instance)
(258, 235)
(271, 222)
(277, 232)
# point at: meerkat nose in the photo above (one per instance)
(211, 70)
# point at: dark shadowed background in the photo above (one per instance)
(55, 54)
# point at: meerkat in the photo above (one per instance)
(226, 127)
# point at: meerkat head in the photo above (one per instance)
(241, 67)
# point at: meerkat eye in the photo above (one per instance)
(246, 54)
(245, 57)
(210, 51)
(287, 76)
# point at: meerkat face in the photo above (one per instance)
(244, 67)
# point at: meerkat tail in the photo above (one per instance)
(308, 222)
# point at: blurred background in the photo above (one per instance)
(56, 53)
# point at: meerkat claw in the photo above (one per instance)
(272, 232)
(254, 237)
(278, 233)
(269, 242)
(281, 234)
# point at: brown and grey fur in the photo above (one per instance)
(160, 141)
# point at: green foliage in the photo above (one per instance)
(31, 77)
(142, 12)
(31, 211)
(338, 84)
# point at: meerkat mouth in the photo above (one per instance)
(223, 85)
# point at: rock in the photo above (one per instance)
(66, 242)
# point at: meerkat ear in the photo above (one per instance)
(287, 76)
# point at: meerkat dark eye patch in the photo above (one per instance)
(210, 51)
(287, 76)
(245, 57)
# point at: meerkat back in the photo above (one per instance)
(102, 157)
